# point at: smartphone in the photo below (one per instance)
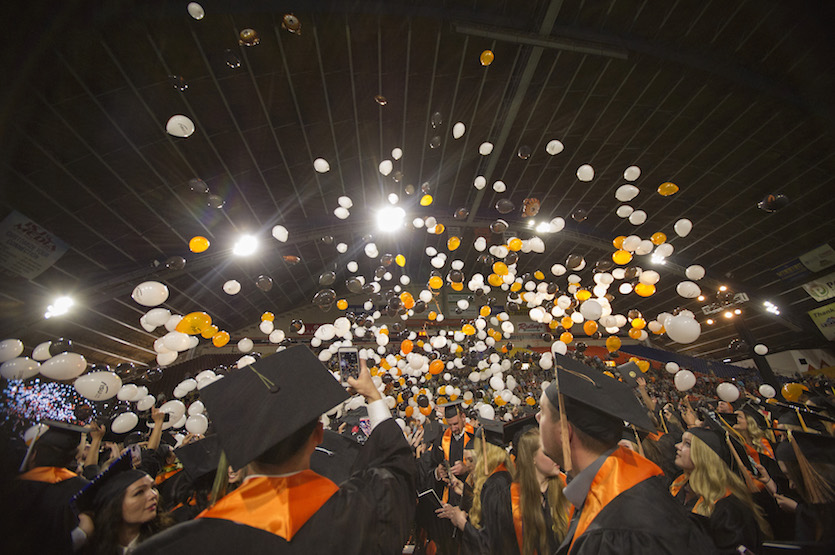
(432, 495)
(135, 455)
(349, 363)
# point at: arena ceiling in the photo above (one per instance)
(731, 101)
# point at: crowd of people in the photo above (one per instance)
(597, 466)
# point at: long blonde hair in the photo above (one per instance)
(757, 435)
(535, 538)
(711, 478)
(488, 458)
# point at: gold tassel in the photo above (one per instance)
(663, 421)
(818, 489)
(638, 439)
(749, 482)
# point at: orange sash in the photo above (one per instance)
(516, 510)
(279, 505)
(622, 470)
(679, 482)
(166, 475)
(446, 440)
(769, 452)
(48, 474)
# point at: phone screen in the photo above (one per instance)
(136, 455)
(349, 363)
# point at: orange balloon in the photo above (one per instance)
(456, 286)
(567, 322)
(582, 295)
(618, 241)
(209, 332)
(435, 282)
(426, 411)
(644, 289)
(793, 391)
(436, 367)
(622, 257)
(439, 228)
(667, 189)
(268, 316)
(341, 304)
(500, 268)
(515, 244)
(468, 329)
(486, 58)
(658, 238)
(407, 299)
(589, 326)
(406, 346)
(384, 330)
(194, 323)
(432, 314)
(639, 323)
(198, 244)
(566, 337)
(613, 343)
(453, 243)
(409, 411)
(484, 311)
(634, 333)
(539, 275)
(643, 365)
(530, 401)
(495, 280)
(220, 339)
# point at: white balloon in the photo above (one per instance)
(195, 10)
(19, 368)
(157, 316)
(179, 126)
(10, 348)
(342, 248)
(591, 310)
(694, 272)
(557, 224)
(277, 336)
(266, 327)
(245, 345)
(683, 329)
(728, 392)
(624, 211)
(631, 243)
(644, 247)
(171, 324)
(585, 172)
(197, 424)
(485, 148)
(385, 167)
(632, 173)
(341, 213)
(761, 349)
(458, 130)
(164, 359)
(232, 287)
(345, 201)
(487, 412)
(146, 402)
(637, 217)
(480, 182)
(688, 290)
(672, 367)
(684, 380)
(98, 386)
(124, 423)
(321, 165)
(649, 277)
(767, 391)
(188, 385)
(554, 147)
(664, 250)
(559, 347)
(176, 341)
(396, 153)
(280, 233)
(127, 392)
(499, 187)
(176, 409)
(625, 193)
(150, 293)
(41, 351)
(65, 366)
(196, 407)
(683, 227)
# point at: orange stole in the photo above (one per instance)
(48, 474)
(279, 505)
(445, 443)
(166, 475)
(623, 469)
(516, 510)
(679, 482)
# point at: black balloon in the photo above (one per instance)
(264, 282)
(83, 411)
(574, 261)
(296, 325)
(524, 152)
(175, 263)
(505, 206)
(153, 375)
(499, 226)
(462, 213)
(327, 278)
(60, 345)
(327, 239)
(436, 120)
(387, 259)
(198, 186)
(773, 203)
(435, 142)
(353, 284)
(215, 201)
(409, 189)
(579, 215)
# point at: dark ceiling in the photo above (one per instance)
(730, 100)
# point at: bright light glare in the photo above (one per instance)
(728, 314)
(710, 321)
(390, 218)
(655, 259)
(723, 288)
(771, 307)
(544, 227)
(246, 245)
(60, 306)
(531, 223)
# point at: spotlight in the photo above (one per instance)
(390, 218)
(59, 306)
(245, 245)
(726, 360)
(709, 321)
(700, 298)
(723, 288)
(728, 314)
(737, 311)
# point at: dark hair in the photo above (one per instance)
(287, 447)
(108, 519)
(49, 455)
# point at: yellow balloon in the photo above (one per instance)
(566, 337)
(485, 311)
(341, 304)
(582, 295)
(426, 200)
(634, 333)
(793, 391)
(194, 323)
(658, 238)
(639, 323)
(486, 58)
(589, 326)
(667, 189)
(453, 243)
(613, 343)
(198, 244)
(567, 322)
(439, 228)
(400, 260)
(618, 241)
(268, 316)
(644, 289)
(500, 268)
(468, 329)
(539, 275)
(220, 339)
(622, 257)
(495, 280)
(457, 286)
(515, 244)
(435, 282)
(209, 332)
(515, 286)
(643, 365)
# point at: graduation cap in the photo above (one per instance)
(112, 482)
(263, 403)
(451, 408)
(199, 457)
(595, 401)
(807, 450)
(334, 457)
(60, 436)
(803, 419)
(730, 449)
(751, 410)
(629, 372)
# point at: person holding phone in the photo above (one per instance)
(267, 417)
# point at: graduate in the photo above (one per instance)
(449, 450)
(620, 505)
(267, 416)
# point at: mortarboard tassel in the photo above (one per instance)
(566, 445)
(817, 487)
(743, 470)
(638, 438)
(221, 479)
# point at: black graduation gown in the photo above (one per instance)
(644, 519)
(370, 513)
(733, 524)
(41, 519)
(497, 535)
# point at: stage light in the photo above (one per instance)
(59, 306)
(245, 245)
(390, 218)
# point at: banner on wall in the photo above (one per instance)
(824, 319)
(821, 289)
(26, 248)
